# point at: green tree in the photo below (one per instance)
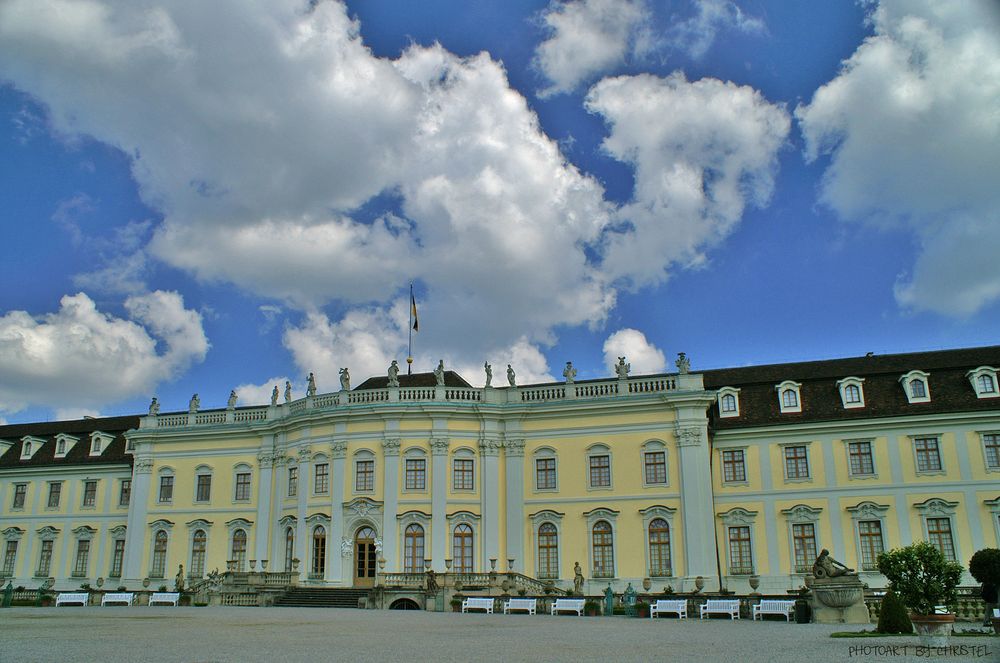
(893, 618)
(921, 576)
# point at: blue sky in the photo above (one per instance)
(200, 198)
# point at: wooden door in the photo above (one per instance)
(365, 558)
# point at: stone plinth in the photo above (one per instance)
(838, 600)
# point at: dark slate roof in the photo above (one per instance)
(80, 453)
(950, 390)
(451, 379)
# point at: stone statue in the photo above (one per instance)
(345, 379)
(569, 372)
(311, 385)
(194, 404)
(629, 599)
(622, 369)
(577, 579)
(288, 391)
(827, 567)
(510, 376)
(439, 373)
(179, 579)
(609, 602)
(683, 363)
(489, 373)
(274, 396)
(231, 403)
(432, 585)
(393, 374)
(154, 407)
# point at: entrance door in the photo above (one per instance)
(364, 557)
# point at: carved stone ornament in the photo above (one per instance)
(936, 507)
(802, 513)
(143, 465)
(489, 447)
(304, 454)
(689, 436)
(267, 458)
(338, 449)
(362, 508)
(514, 447)
(440, 446)
(683, 363)
(378, 544)
(390, 446)
(346, 547)
(738, 516)
(868, 511)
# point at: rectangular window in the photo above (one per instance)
(656, 467)
(740, 556)
(545, 473)
(870, 536)
(364, 477)
(9, 556)
(600, 471)
(45, 559)
(461, 474)
(939, 535)
(321, 479)
(796, 463)
(89, 493)
(416, 474)
(242, 486)
(82, 557)
(203, 488)
(125, 494)
(117, 558)
(166, 489)
(804, 537)
(733, 466)
(293, 481)
(862, 463)
(20, 490)
(928, 454)
(55, 493)
(991, 442)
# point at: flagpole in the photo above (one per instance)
(409, 331)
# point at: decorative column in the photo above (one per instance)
(142, 475)
(302, 536)
(390, 488)
(335, 566)
(439, 502)
(489, 495)
(265, 490)
(696, 491)
(514, 498)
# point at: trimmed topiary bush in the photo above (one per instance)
(921, 576)
(893, 618)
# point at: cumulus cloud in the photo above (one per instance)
(588, 38)
(910, 127)
(260, 394)
(701, 150)
(643, 356)
(696, 34)
(78, 358)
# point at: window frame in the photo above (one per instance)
(986, 446)
(782, 390)
(978, 376)
(89, 497)
(9, 558)
(547, 455)
(124, 492)
(366, 457)
(166, 482)
(202, 487)
(293, 481)
(906, 381)
(196, 556)
(739, 517)
(785, 447)
(848, 448)
(463, 480)
(742, 451)
(649, 516)
(158, 563)
(20, 496)
(413, 559)
(321, 478)
(55, 490)
(845, 387)
(728, 392)
(594, 453)
(418, 474)
(242, 483)
(651, 448)
(46, 551)
(939, 510)
(915, 440)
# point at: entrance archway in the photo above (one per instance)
(365, 561)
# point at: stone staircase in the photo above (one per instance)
(321, 597)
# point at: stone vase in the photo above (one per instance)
(933, 629)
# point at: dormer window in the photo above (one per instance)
(984, 382)
(99, 442)
(30, 446)
(729, 402)
(789, 397)
(916, 386)
(851, 392)
(64, 443)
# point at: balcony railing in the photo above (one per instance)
(741, 571)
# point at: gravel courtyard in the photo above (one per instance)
(303, 634)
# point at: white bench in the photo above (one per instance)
(165, 597)
(66, 598)
(729, 607)
(473, 603)
(774, 607)
(678, 606)
(520, 604)
(568, 605)
(128, 598)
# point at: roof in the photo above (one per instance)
(949, 387)
(451, 379)
(80, 453)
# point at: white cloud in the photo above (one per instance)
(588, 38)
(702, 151)
(910, 125)
(260, 394)
(643, 356)
(696, 34)
(79, 358)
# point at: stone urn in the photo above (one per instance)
(933, 629)
(647, 584)
(839, 602)
(754, 583)
(699, 583)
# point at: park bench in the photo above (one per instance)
(66, 598)
(128, 598)
(165, 597)
(473, 603)
(520, 604)
(729, 607)
(567, 605)
(679, 606)
(774, 607)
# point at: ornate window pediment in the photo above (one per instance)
(47, 533)
(738, 516)
(545, 516)
(13, 534)
(868, 510)
(199, 523)
(936, 506)
(802, 513)
(162, 523)
(84, 533)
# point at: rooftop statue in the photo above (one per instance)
(274, 396)
(288, 391)
(510, 376)
(622, 369)
(683, 363)
(311, 385)
(827, 567)
(439, 373)
(345, 379)
(194, 404)
(393, 374)
(231, 403)
(569, 372)
(154, 407)
(489, 373)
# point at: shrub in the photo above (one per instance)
(162, 588)
(985, 566)
(921, 576)
(591, 607)
(893, 618)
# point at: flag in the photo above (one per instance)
(413, 311)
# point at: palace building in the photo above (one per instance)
(730, 475)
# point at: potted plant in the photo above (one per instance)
(985, 568)
(456, 603)
(641, 609)
(924, 580)
(591, 608)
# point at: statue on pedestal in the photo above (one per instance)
(683, 363)
(393, 373)
(577, 579)
(569, 372)
(179, 579)
(231, 403)
(622, 369)
(629, 599)
(274, 396)
(489, 373)
(345, 379)
(827, 567)
(288, 391)
(194, 404)
(311, 385)
(510, 376)
(439, 373)
(154, 407)
(609, 602)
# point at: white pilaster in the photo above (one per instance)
(303, 537)
(334, 569)
(514, 495)
(489, 453)
(390, 487)
(265, 498)
(135, 537)
(439, 502)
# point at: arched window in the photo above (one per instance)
(986, 384)
(319, 550)
(548, 551)
(461, 549)
(852, 394)
(289, 548)
(789, 398)
(239, 549)
(604, 550)
(413, 549)
(728, 403)
(918, 388)
(159, 555)
(197, 568)
(659, 547)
